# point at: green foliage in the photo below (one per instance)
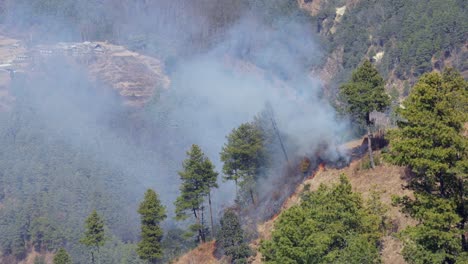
(130, 256)
(272, 11)
(230, 238)
(429, 139)
(436, 239)
(410, 32)
(94, 236)
(49, 185)
(45, 235)
(175, 243)
(62, 257)
(431, 143)
(331, 225)
(378, 209)
(152, 214)
(364, 93)
(365, 163)
(198, 177)
(243, 156)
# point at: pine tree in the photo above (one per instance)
(62, 257)
(94, 236)
(243, 156)
(431, 142)
(198, 177)
(230, 238)
(363, 94)
(429, 139)
(152, 214)
(436, 238)
(331, 225)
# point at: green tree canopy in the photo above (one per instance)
(198, 177)
(152, 214)
(331, 225)
(362, 95)
(243, 156)
(431, 142)
(94, 236)
(62, 257)
(44, 234)
(429, 139)
(230, 238)
(436, 239)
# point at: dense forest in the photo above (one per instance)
(246, 119)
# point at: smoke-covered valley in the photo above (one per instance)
(71, 143)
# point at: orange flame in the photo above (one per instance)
(320, 168)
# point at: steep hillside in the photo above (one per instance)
(388, 180)
(404, 38)
(201, 254)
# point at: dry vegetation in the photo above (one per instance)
(201, 254)
(386, 179)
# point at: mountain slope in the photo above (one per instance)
(388, 180)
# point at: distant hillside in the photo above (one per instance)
(404, 38)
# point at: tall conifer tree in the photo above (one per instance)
(198, 178)
(362, 95)
(152, 214)
(243, 156)
(432, 142)
(94, 236)
(230, 238)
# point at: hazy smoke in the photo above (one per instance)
(221, 85)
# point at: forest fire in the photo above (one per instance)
(321, 167)
(287, 203)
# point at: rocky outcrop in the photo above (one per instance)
(135, 77)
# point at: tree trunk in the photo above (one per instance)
(369, 147)
(202, 224)
(252, 196)
(442, 186)
(197, 217)
(211, 216)
(463, 236)
(235, 182)
(464, 216)
(92, 257)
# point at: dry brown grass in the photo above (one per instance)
(201, 254)
(48, 257)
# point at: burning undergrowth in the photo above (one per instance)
(274, 198)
